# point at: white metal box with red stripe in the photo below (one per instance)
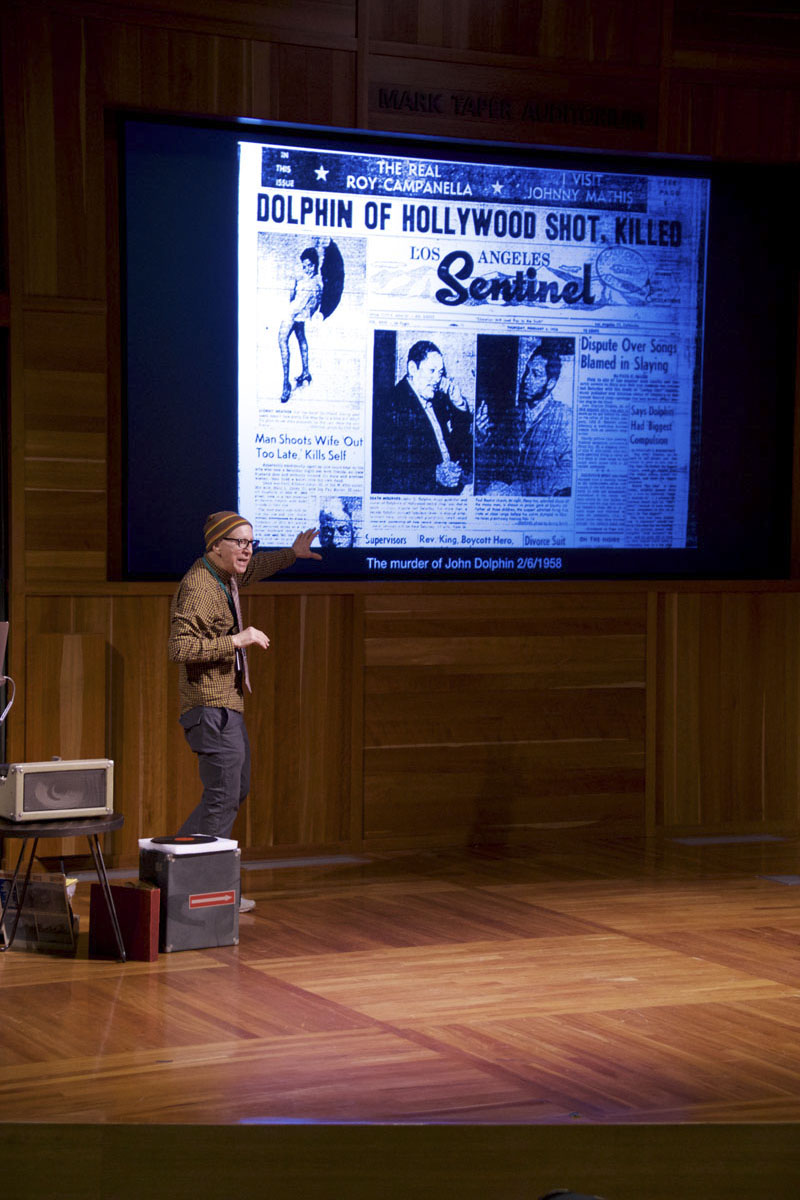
(200, 885)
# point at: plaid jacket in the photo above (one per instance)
(201, 632)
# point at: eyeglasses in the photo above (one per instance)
(243, 543)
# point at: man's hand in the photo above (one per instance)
(453, 392)
(250, 637)
(484, 426)
(448, 474)
(302, 544)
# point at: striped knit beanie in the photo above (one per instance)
(219, 525)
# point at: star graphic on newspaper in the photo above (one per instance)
(497, 188)
(321, 172)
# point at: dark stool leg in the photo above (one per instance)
(100, 867)
(20, 899)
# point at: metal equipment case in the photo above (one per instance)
(199, 892)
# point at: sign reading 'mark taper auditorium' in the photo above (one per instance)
(530, 110)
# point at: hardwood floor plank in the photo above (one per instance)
(181, 1009)
(686, 904)
(352, 1075)
(591, 973)
(573, 979)
(344, 924)
(765, 950)
(614, 1065)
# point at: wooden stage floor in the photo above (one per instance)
(568, 982)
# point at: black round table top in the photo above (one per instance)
(61, 826)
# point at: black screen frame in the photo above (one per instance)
(744, 485)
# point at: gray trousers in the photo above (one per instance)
(218, 736)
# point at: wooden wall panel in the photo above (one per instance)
(621, 31)
(483, 715)
(731, 27)
(724, 118)
(187, 72)
(66, 696)
(69, 566)
(63, 180)
(452, 796)
(182, 71)
(325, 22)
(71, 521)
(728, 709)
(487, 715)
(67, 688)
(299, 721)
(51, 614)
(299, 715)
(64, 439)
(307, 84)
(67, 337)
(139, 717)
(65, 707)
(68, 64)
